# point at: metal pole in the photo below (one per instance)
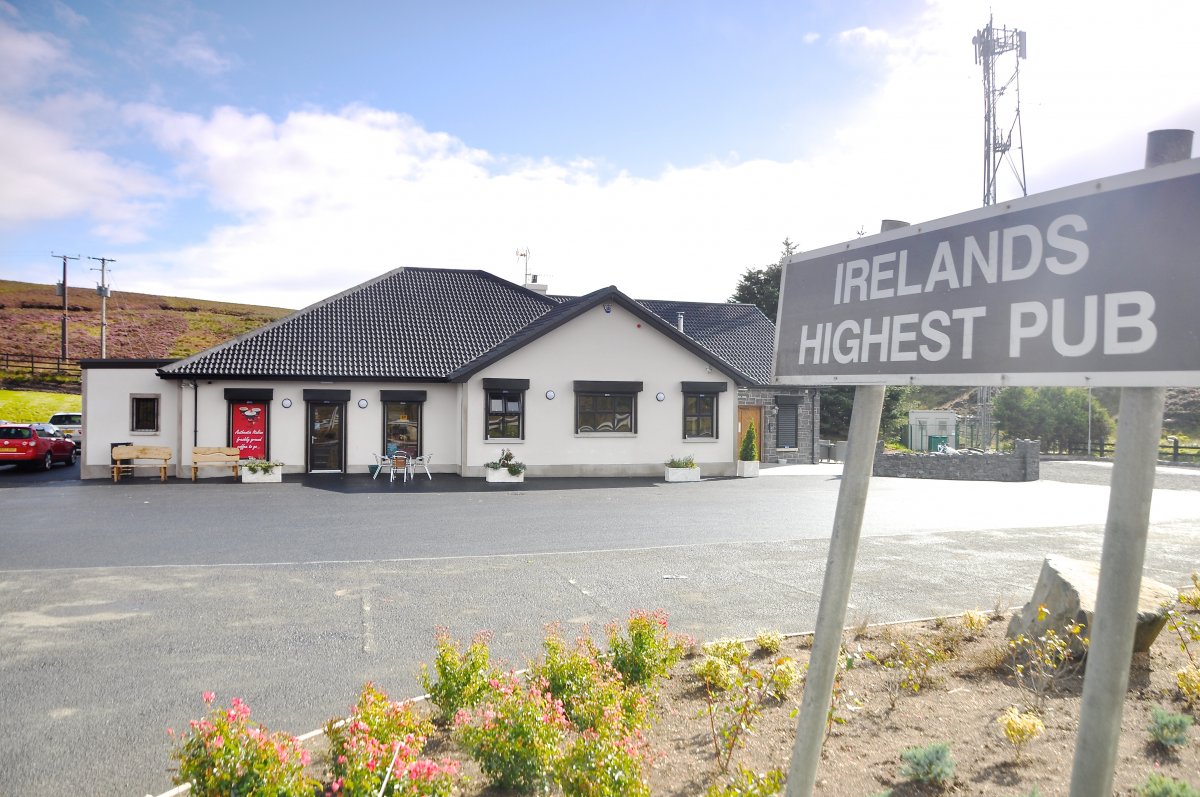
(1122, 558)
(835, 590)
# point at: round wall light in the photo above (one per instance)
(362, 404)
(550, 394)
(661, 396)
(286, 403)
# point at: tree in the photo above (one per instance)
(760, 286)
(1058, 416)
(837, 403)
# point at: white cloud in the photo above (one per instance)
(67, 15)
(194, 52)
(317, 201)
(45, 175)
(811, 38)
(27, 60)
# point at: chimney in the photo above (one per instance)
(534, 285)
(679, 320)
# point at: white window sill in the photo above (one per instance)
(503, 441)
(605, 434)
(701, 440)
(143, 432)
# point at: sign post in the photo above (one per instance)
(1122, 557)
(1089, 285)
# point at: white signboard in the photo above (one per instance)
(1096, 284)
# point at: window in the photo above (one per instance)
(402, 427)
(504, 401)
(700, 401)
(605, 412)
(699, 415)
(143, 413)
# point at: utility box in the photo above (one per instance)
(928, 429)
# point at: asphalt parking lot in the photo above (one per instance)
(120, 604)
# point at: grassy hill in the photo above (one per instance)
(139, 325)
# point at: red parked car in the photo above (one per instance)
(35, 445)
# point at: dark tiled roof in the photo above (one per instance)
(575, 307)
(737, 333)
(411, 323)
(439, 324)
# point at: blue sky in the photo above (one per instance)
(278, 153)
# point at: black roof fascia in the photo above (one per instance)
(570, 310)
(224, 377)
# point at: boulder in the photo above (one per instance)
(1067, 590)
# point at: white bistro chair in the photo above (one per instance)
(419, 462)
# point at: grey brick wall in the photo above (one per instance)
(807, 407)
(1022, 465)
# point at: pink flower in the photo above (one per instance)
(208, 697)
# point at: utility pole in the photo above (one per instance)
(103, 291)
(62, 288)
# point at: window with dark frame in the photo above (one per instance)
(143, 413)
(700, 415)
(605, 413)
(505, 415)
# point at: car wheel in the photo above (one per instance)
(48, 462)
(72, 458)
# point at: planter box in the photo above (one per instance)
(276, 475)
(747, 469)
(502, 475)
(683, 474)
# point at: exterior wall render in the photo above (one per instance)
(599, 345)
(107, 395)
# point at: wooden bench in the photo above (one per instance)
(126, 457)
(221, 456)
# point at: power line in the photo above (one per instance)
(104, 292)
(63, 288)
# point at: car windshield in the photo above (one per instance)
(72, 419)
(15, 433)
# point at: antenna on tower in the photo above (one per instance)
(990, 44)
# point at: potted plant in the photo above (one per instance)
(747, 466)
(505, 469)
(260, 470)
(683, 469)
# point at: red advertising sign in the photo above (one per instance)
(248, 428)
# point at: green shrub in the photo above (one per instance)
(462, 677)
(749, 452)
(1161, 786)
(1168, 729)
(784, 676)
(516, 733)
(603, 764)
(768, 641)
(647, 652)
(225, 753)
(591, 690)
(747, 783)
(929, 764)
(382, 740)
(682, 462)
(730, 651)
(716, 674)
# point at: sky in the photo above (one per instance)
(278, 153)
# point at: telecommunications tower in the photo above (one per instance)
(991, 45)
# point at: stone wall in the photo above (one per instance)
(806, 402)
(1022, 465)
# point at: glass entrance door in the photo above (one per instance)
(326, 438)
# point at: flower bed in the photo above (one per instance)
(918, 708)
